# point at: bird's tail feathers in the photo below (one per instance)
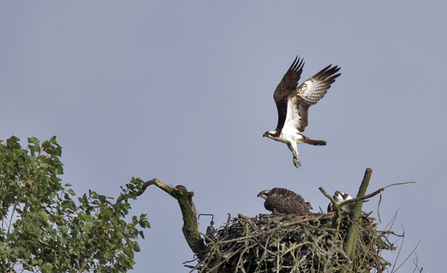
(315, 142)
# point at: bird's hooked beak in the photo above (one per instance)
(263, 194)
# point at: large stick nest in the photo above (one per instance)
(293, 243)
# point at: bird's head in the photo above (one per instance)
(269, 134)
(340, 196)
(264, 194)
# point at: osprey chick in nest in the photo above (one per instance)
(293, 104)
(339, 197)
(284, 201)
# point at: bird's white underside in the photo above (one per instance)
(338, 198)
(293, 118)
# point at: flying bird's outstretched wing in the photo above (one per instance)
(286, 87)
(307, 94)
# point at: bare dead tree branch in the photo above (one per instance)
(184, 198)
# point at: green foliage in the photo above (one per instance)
(44, 230)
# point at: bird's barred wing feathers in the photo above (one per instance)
(287, 204)
(314, 88)
(307, 94)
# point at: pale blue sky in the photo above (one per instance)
(182, 91)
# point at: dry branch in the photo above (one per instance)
(184, 198)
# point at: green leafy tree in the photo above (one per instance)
(44, 230)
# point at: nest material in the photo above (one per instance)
(292, 243)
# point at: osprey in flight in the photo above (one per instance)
(284, 201)
(293, 104)
(339, 197)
